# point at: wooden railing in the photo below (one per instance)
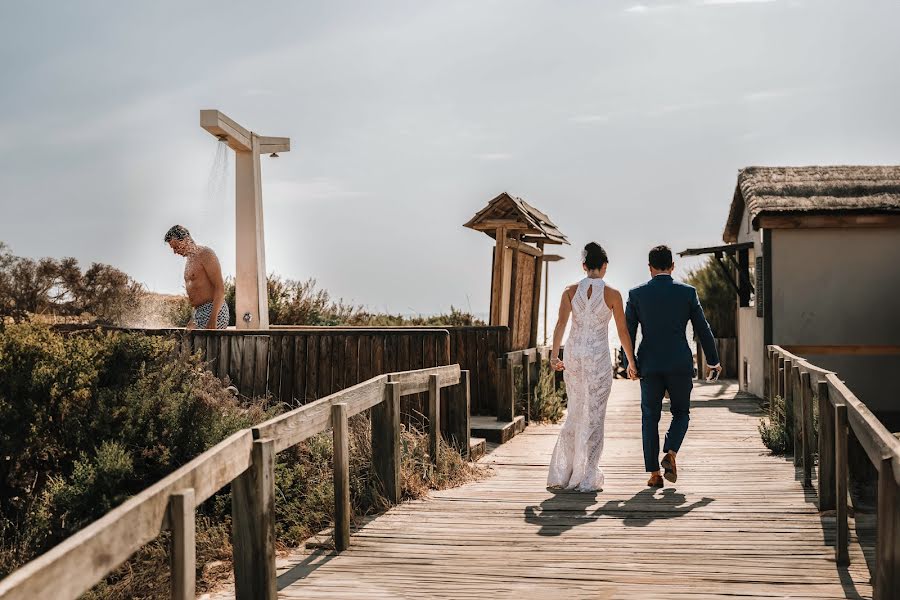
(530, 360)
(246, 460)
(841, 414)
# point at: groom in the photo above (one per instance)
(663, 307)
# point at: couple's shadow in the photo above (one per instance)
(568, 509)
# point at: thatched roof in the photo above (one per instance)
(812, 190)
(506, 207)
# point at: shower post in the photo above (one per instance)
(251, 295)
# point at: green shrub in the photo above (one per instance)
(772, 430)
(549, 400)
(93, 418)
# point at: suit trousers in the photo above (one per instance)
(653, 389)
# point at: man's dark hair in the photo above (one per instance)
(177, 232)
(594, 256)
(661, 258)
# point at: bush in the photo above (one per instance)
(93, 418)
(549, 400)
(775, 436)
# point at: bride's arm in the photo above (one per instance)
(565, 309)
(615, 302)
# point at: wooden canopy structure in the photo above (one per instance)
(520, 232)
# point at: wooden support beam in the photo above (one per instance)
(841, 474)
(183, 554)
(253, 526)
(497, 277)
(525, 248)
(526, 380)
(806, 406)
(536, 298)
(826, 448)
(787, 392)
(825, 221)
(434, 418)
(459, 426)
(386, 442)
(887, 547)
(341, 463)
(796, 401)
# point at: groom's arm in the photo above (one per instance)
(631, 320)
(703, 331)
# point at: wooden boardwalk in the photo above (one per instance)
(738, 523)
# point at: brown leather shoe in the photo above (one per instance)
(656, 481)
(669, 467)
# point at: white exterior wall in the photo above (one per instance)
(840, 287)
(750, 328)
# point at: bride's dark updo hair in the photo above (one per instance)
(594, 256)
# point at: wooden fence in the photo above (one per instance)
(477, 350)
(246, 461)
(841, 415)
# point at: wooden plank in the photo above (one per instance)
(253, 526)
(796, 413)
(273, 382)
(298, 390)
(826, 449)
(292, 427)
(806, 408)
(845, 350)
(224, 353)
(183, 553)
(288, 347)
(74, 565)
(351, 361)
(887, 558)
(386, 442)
(536, 297)
(248, 365)
(366, 351)
(874, 437)
(459, 415)
(434, 417)
(236, 368)
(841, 474)
(312, 367)
(341, 469)
(826, 221)
(415, 382)
(788, 395)
(475, 360)
(338, 370)
(326, 364)
(497, 276)
(261, 370)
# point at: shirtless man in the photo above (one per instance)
(202, 280)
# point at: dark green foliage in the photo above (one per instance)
(93, 418)
(717, 296)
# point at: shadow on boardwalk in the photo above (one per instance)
(566, 510)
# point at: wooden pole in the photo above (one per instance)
(253, 526)
(546, 298)
(807, 411)
(459, 415)
(841, 554)
(341, 463)
(887, 546)
(386, 442)
(798, 414)
(526, 378)
(183, 556)
(826, 449)
(788, 395)
(536, 296)
(434, 418)
(497, 276)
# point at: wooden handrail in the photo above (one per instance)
(247, 457)
(840, 414)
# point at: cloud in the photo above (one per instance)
(315, 188)
(488, 156)
(766, 95)
(590, 119)
(643, 8)
(722, 2)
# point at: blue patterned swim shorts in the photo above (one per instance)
(203, 312)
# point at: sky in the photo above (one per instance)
(625, 122)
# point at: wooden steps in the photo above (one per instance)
(498, 432)
(477, 448)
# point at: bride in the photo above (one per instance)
(587, 371)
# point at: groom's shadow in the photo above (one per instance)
(566, 510)
(647, 506)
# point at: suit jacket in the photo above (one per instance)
(663, 307)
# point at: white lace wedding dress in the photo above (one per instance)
(588, 376)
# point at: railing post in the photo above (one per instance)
(842, 526)
(253, 526)
(341, 464)
(434, 418)
(767, 378)
(887, 546)
(458, 413)
(826, 449)
(807, 427)
(526, 380)
(789, 420)
(506, 403)
(183, 555)
(386, 442)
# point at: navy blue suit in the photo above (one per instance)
(662, 307)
